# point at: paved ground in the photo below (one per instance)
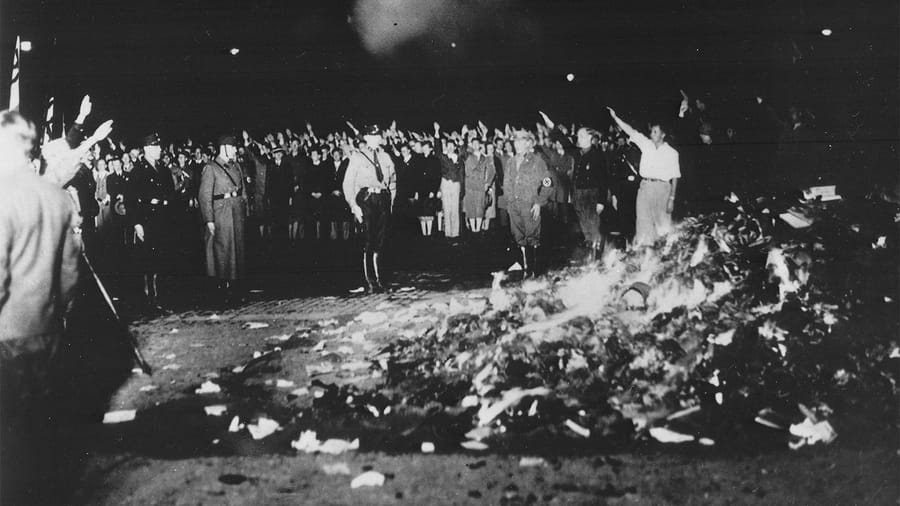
(178, 455)
(175, 453)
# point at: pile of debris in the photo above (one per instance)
(734, 319)
(731, 317)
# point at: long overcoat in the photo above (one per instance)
(223, 201)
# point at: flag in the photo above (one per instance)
(14, 80)
(48, 120)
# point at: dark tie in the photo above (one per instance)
(378, 173)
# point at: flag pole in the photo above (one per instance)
(14, 78)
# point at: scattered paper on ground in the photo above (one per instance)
(215, 410)
(262, 428)
(664, 435)
(368, 479)
(124, 415)
(532, 462)
(208, 387)
(308, 442)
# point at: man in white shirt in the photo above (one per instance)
(370, 186)
(659, 171)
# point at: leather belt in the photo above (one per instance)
(229, 195)
(657, 180)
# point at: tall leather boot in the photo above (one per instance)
(526, 262)
(599, 248)
(369, 287)
(532, 261)
(376, 285)
(155, 289)
(151, 291)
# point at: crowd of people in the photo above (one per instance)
(293, 188)
(159, 207)
(179, 205)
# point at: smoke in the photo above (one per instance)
(385, 25)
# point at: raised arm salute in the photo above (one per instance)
(659, 171)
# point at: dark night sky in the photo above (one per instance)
(165, 65)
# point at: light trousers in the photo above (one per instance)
(652, 219)
(450, 201)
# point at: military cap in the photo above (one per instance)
(150, 140)
(227, 140)
(371, 130)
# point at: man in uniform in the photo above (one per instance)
(223, 206)
(527, 186)
(591, 181)
(659, 170)
(370, 186)
(117, 188)
(153, 193)
(623, 160)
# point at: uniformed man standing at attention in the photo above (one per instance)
(527, 186)
(370, 186)
(223, 206)
(153, 193)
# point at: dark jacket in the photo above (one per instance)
(450, 170)
(316, 176)
(282, 186)
(404, 169)
(116, 185)
(335, 175)
(562, 166)
(149, 185)
(426, 175)
(299, 170)
(83, 181)
(591, 171)
(225, 246)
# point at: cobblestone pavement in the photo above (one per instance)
(408, 289)
(310, 307)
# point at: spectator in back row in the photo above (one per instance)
(479, 176)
